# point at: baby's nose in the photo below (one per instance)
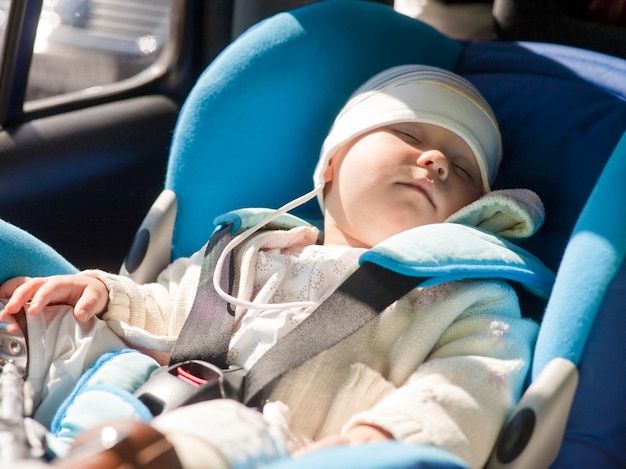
(435, 161)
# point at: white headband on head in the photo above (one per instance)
(418, 93)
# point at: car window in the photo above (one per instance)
(82, 46)
(4, 18)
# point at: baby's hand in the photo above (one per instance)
(356, 435)
(88, 295)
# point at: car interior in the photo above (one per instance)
(127, 165)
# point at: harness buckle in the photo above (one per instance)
(185, 383)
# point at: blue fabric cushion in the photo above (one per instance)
(23, 254)
(596, 429)
(585, 322)
(388, 455)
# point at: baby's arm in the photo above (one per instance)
(87, 295)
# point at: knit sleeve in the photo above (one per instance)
(460, 396)
(154, 310)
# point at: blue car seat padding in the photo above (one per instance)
(23, 254)
(375, 456)
(584, 322)
(596, 429)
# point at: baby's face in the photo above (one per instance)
(396, 178)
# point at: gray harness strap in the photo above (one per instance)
(206, 333)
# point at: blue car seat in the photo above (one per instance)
(249, 135)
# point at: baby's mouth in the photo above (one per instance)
(423, 187)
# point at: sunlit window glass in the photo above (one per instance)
(4, 18)
(88, 44)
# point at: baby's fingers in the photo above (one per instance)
(92, 302)
(20, 295)
(59, 289)
(9, 286)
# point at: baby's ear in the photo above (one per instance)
(330, 170)
(510, 213)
